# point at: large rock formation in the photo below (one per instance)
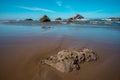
(58, 19)
(75, 18)
(45, 18)
(69, 60)
(78, 16)
(70, 20)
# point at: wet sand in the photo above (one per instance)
(20, 57)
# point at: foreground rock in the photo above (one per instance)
(69, 60)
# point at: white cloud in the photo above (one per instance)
(59, 3)
(36, 9)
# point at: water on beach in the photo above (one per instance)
(22, 47)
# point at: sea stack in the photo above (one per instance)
(45, 18)
(77, 17)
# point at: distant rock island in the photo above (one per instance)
(75, 18)
(58, 19)
(45, 18)
(69, 60)
(29, 19)
(113, 19)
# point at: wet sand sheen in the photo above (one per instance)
(20, 59)
(21, 49)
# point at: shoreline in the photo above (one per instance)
(88, 22)
(22, 48)
(25, 64)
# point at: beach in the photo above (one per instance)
(22, 48)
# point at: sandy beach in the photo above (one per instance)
(21, 52)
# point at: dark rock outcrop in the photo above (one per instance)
(75, 18)
(70, 20)
(45, 18)
(113, 19)
(29, 19)
(78, 16)
(58, 19)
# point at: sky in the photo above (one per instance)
(35, 9)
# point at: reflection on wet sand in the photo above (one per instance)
(20, 56)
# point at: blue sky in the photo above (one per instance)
(21, 9)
